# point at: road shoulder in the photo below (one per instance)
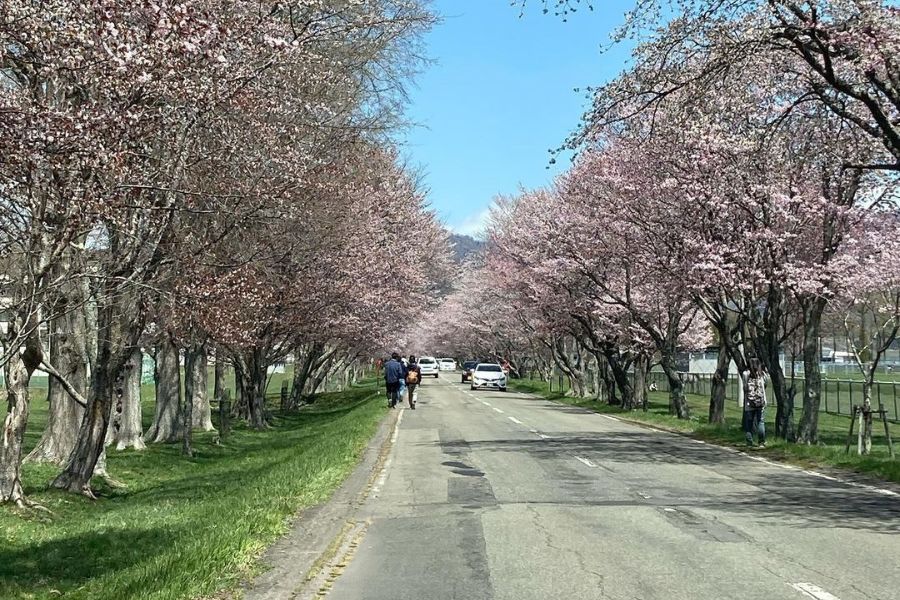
(317, 532)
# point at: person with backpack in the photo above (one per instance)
(754, 380)
(393, 374)
(413, 379)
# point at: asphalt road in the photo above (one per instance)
(498, 495)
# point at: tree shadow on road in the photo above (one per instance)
(693, 475)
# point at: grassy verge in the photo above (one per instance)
(829, 453)
(183, 527)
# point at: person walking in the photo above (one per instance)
(755, 402)
(413, 379)
(402, 392)
(393, 373)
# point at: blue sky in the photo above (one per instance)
(500, 95)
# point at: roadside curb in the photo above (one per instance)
(835, 474)
(317, 533)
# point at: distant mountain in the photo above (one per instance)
(465, 247)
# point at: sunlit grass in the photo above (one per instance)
(183, 527)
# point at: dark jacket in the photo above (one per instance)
(393, 371)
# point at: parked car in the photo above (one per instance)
(447, 364)
(489, 375)
(467, 368)
(428, 366)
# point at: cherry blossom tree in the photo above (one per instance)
(135, 133)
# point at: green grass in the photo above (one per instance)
(183, 527)
(832, 431)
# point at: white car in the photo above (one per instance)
(447, 364)
(428, 366)
(489, 375)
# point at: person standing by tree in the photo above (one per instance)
(755, 402)
(393, 374)
(413, 379)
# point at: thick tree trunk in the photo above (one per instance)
(117, 330)
(609, 382)
(126, 426)
(251, 370)
(302, 370)
(196, 375)
(677, 403)
(620, 375)
(719, 387)
(808, 431)
(167, 426)
(68, 356)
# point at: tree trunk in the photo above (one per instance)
(620, 376)
(17, 375)
(68, 356)
(719, 387)
(302, 370)
(240, 409)
(167, 426)
(195, 369)
(808, 432)
(677, 403)
(187, 413)
(252, 371)
(641, 367)
(609, 382)
(118, 328)
(219, 385)
(865, 426)
(126, 425)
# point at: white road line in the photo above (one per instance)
(515, 420)
(497, 409)
(545, 437)
(485, 403)
(644, 496)
(585, 461)
(397, 427)
(610, 418)
(813, 591)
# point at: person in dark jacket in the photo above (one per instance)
(413, 379)
(393, 373)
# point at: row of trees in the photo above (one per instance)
(198, 177)
(736, 186)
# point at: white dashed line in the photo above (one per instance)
(515, 420)
(497, 409)
(813, 591)
(585, 461)
(485, 403)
